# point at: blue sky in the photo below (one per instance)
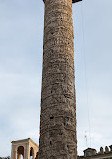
(21, 43)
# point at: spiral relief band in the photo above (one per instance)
(58, 101)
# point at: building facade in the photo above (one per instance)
(93, 154)
(27, 149)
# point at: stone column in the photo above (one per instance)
(18, 156)
(34, 154)
(58, 105)
(14, 154)
(29, 154)
(25, 152)
(28, 151)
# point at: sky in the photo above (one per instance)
(21, 48)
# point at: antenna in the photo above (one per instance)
(88, 135)
(85, 137)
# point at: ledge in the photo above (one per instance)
(75, 1)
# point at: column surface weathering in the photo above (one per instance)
(58, 104)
